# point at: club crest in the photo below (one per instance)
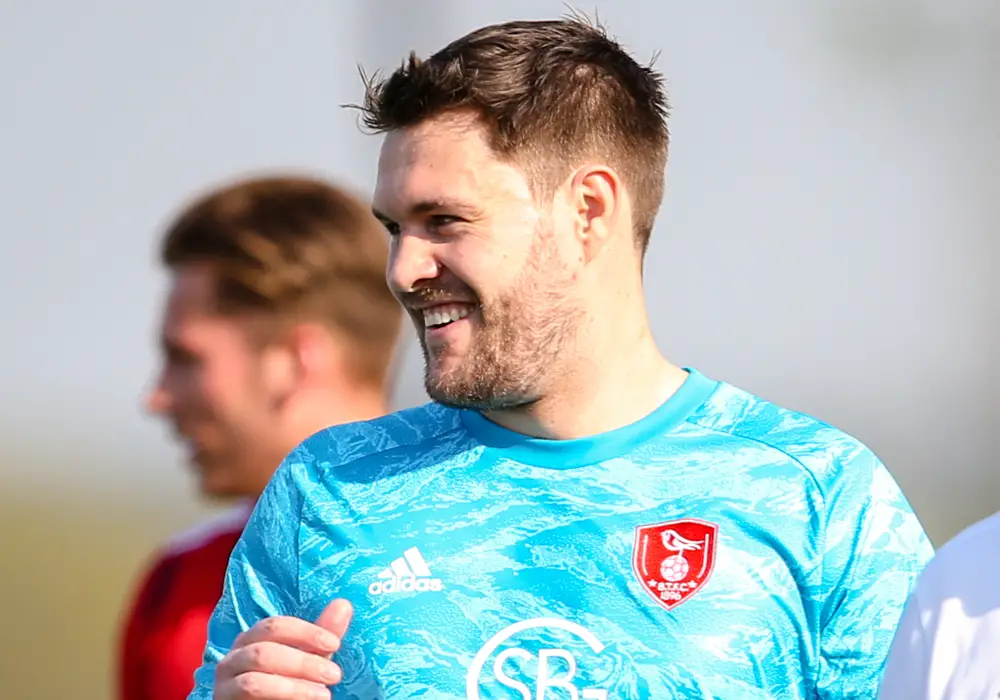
(674, 559)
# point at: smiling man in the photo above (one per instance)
(573, 515)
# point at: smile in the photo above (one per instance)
(438, 316)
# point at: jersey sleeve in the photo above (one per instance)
(875, 549)
(262, 576)
(135, 632)
(906, 670)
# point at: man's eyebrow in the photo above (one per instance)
(429, 206)
(170, 345)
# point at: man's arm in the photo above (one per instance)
(135, 631)
(262, 576)
(874, 551)
(906, 671)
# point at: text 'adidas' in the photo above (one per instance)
(409, 573)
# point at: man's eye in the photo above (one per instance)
(181, 358)
(391, 227)
(440, 220)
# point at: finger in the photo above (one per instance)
(279, 660)
(292, 632)
(336, 617)
(261, 686)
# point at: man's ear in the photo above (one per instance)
(301, 355)
(596, 192)
(280, 372)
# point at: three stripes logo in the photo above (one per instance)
(407, 574)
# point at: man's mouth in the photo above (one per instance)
(443, 314)
(187, 443)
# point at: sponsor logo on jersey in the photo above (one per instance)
(533, 676)
(408, 574)
(673, 560)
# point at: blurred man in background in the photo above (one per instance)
(278, 324)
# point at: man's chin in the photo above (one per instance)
(472, 396)
(219, 493)
(215, 483)
(213, 490)
(454, 400)
(445, 390)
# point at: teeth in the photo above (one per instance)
(442, 315)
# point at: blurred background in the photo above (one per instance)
(827, 241)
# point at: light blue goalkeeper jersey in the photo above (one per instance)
(722, 547)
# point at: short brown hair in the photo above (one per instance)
(295, 248)
(551, 94)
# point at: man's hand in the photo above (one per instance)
(285, 658)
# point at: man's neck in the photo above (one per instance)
(609, 389)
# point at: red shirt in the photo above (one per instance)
(166, 627)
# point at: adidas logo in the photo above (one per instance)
(406, 574)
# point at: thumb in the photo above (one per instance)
(336, 617)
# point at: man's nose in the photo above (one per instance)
(158, 400)
(411, 262)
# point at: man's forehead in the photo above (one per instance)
(431, 164)
(412, 193)
(190, 316)
(191, 299)
(192, 287)
(413, 166)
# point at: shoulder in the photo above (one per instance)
(964, 570)
(361, 452)
(972, 542)
(194, 557)
(818, 448)
(223, 528)
(400, 432)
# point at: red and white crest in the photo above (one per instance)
(673, 560)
